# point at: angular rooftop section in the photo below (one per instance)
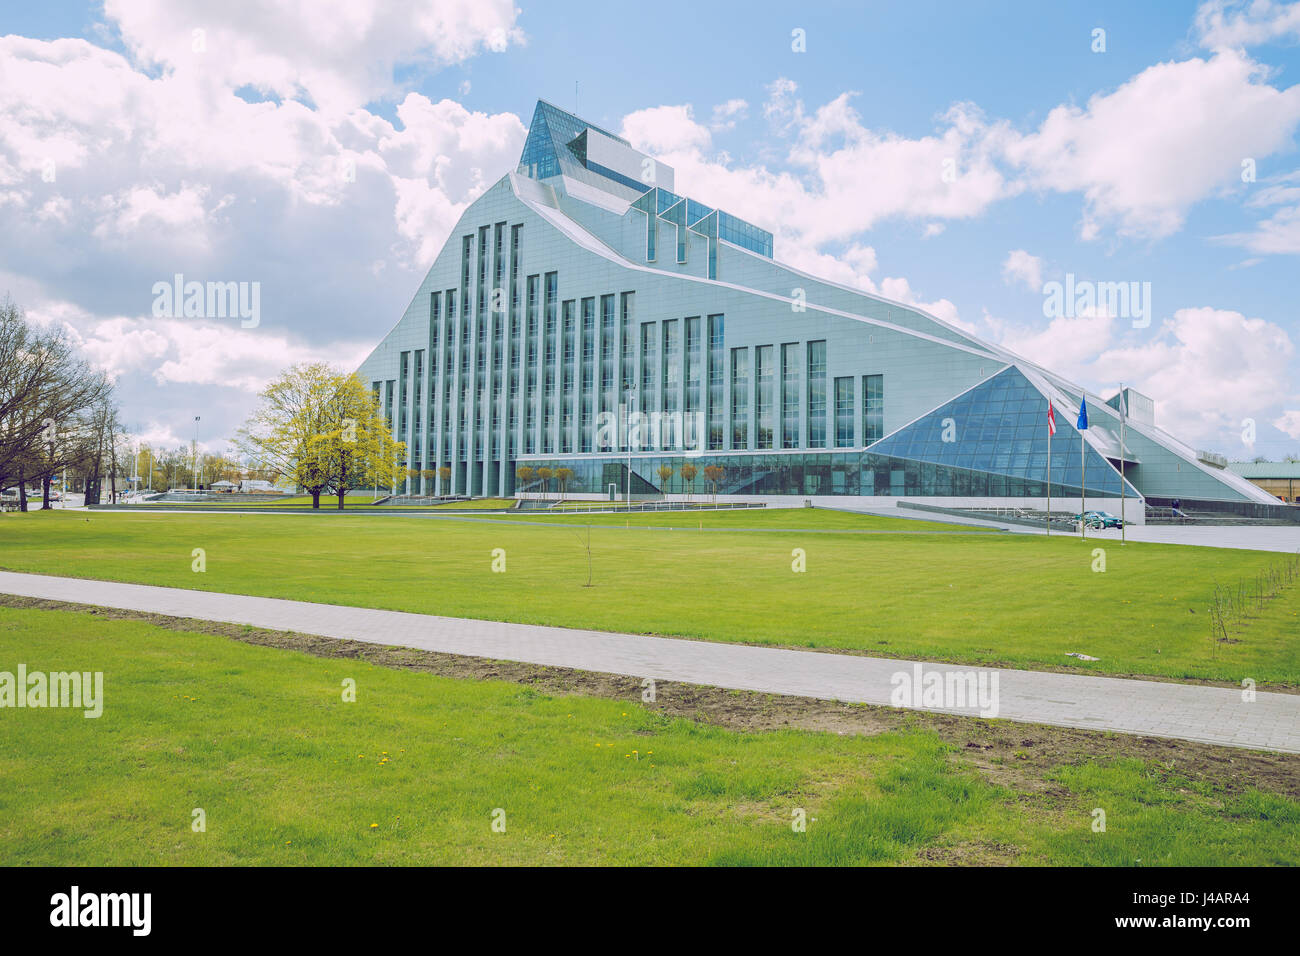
(561, 144)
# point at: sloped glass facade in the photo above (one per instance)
(999, 427)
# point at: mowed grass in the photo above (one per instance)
(287, 773)
(882, 586)
(329, 503)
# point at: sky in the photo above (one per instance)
(960, 157)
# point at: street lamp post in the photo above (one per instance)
(627, 439)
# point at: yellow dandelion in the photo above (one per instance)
(374, 826)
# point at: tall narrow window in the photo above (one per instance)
(873, 408)
(763, 384)
(516, 346)
(817, 394)
(740, 398)
(608, 344)
(466, 246)
(790, 395)
(586, 402)
(532, 344)
(627, 358)
(844, 407)
(448, 373)
(551, 379)
(692, 419)
(716, 383)
(669, 436)
(417, 406)
(566, 399)
(402, 397)
(649, 379)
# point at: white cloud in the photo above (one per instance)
(1289, 422)
(666, 130)
(337, 55)
(1068, 343)
(1243, 23)
(1141, 156)
(169, 170)
(1280, 233)
(842, 179)
(1169, 137)
(1020, 266)
(727, 115)
(1207, 368)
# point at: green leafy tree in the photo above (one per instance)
(321, 429)
(358, 445)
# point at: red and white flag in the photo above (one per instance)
(1051, 419)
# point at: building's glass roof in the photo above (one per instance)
(557, 145)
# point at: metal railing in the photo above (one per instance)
(568, 507)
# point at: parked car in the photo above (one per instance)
(1100, 519)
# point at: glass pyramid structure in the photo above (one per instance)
(999, 427)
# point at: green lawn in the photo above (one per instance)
(330, 503)
(884, 586)
(288, 773)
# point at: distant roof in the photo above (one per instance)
(1266, 469)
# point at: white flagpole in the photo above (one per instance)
(1083, 480)
(1123, 417)
(1049, 467)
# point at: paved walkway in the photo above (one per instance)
(1283, 538)
(1213, 715)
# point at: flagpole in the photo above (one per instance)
(1123, 415)
(1049, 467)
(1083, 476)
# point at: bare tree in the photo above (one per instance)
(48, 398)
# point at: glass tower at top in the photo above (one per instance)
(561, 144)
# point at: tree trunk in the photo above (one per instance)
(22, 489)
(342, 492)
(45, 493)
(315, 498)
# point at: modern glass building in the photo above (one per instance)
(586, 315)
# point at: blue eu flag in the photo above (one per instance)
(1082, 424)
